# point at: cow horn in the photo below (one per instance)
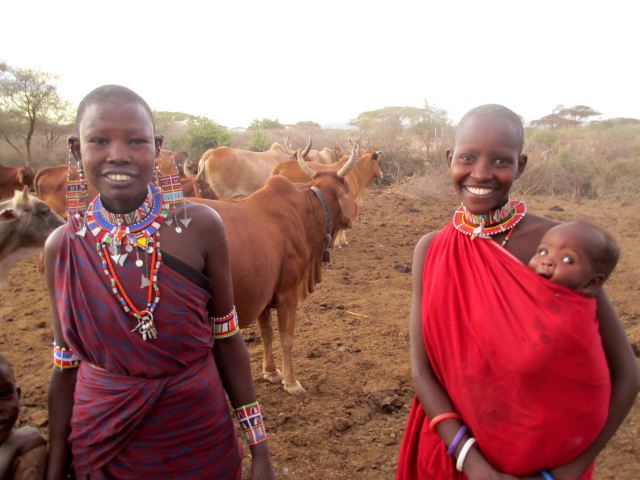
(304, 166)
(350, 163)
(285, 144)
(307, 149)
(25, 194)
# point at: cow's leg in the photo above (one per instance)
(269, 370)
(286, 327)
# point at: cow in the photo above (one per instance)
(325, 156)
(364, 172)
(14, 178)
(278, 238)
(232, 172)
(25, 224)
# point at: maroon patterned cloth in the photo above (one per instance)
(153, 409)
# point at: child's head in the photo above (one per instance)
(576, 254)
(9, 399)
(116, 142)
(487, 157)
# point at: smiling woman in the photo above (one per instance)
(163, 363)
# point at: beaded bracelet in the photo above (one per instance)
(250, 419)
(463, 453)
(442, 417)
(225, 326)
(456, 440)
(546, 475)
(64, 358)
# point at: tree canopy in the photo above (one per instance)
(29, 101)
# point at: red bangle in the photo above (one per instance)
(440, 418)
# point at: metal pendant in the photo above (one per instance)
(178, 229)
(129, 248)
(139, 263)
(119, 258)
(146, 327)
(82, 232)
(185, 221)
(144, 281)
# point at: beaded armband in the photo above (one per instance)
(64, 358)
(226, 326)
(250, 419)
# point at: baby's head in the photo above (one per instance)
(9, 400)
(576, 254)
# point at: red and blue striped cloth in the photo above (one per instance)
(153, 409)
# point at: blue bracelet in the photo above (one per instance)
(546, 475)
(456, 440)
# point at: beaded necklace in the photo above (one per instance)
(136, 230)
(496, 221)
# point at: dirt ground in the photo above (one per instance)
(351, 349)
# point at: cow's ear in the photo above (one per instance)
(348, 208)
(7, 215)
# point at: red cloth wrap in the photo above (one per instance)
(520, 357)
(153, 409)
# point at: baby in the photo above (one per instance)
(23, 451)
(576, 254)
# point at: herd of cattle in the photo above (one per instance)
(282, 210)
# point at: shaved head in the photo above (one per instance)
(493, 113)
(114, 94)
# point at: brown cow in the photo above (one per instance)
(232, 172)
(14, 178)
(25, 224)
(277, 238)
(364, 172)
(326, 156)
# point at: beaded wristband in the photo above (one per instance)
(226, 326)
(546, 475)
(250, 419)
(442, 417)
(463, 453)
(456, 440)
(64, 358)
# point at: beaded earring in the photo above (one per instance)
(76, 193)
(170, 185)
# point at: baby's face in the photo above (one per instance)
(563, 258)
(9, 403)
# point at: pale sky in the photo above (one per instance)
(328, 61)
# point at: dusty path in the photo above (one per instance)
(351, 349)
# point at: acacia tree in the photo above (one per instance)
(28, 98)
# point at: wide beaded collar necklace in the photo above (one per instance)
(137, 231)
(496, 221)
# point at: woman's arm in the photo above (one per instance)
(433, 398)
(62, 384)
(231, 356)
(625, 382)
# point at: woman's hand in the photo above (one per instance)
(261, 468)
(477, 468)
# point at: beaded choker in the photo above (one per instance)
(485, 225)
(136, 231)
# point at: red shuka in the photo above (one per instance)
(520, 357)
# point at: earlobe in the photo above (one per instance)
(594, 284)
(449, 156)
(522, 163)
(74, 146)
(159, 139)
